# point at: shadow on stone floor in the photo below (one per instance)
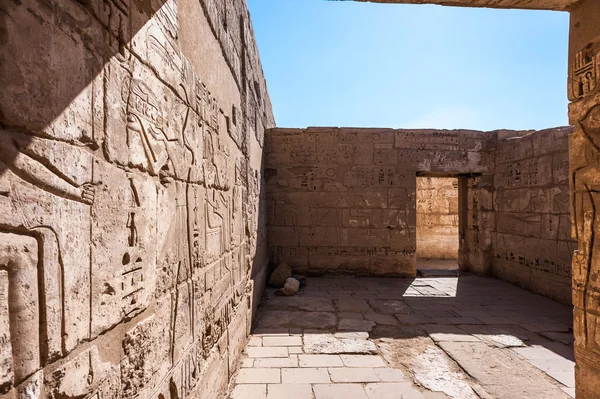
(497, 336)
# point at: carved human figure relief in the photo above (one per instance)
(22, 237)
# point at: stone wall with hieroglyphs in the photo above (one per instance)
(132, 243)
(343, 200)
(532, 236)
(584, 174)
(437, 217)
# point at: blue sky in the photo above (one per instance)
(343, 63)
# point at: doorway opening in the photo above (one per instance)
(438, 226)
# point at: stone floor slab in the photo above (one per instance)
(348, 374)
(272, 351)
(276, 362)
(320, 361)
(305, 376)
(249, 391)
(327, 343)
(259, 376)
(390, 375)
(403, 390)
(339, 391)
(289, 391)
(322, 335)
(282, 341)
(362, 361)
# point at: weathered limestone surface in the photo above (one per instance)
(344, 200)
(132, 251)
(532, 235)
(437, 217)
(584, 150)
(558, 5)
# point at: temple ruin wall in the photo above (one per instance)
(343, 200)
(132, 247)
(532, 237)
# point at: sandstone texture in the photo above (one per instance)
(132, 253)
(290, 287)
(584, 176)
(280, 275)
(346, 201)
(437, 218)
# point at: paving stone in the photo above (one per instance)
(563, 338)
(362, 361)
(538, 352)
(567, 378)
(339, 391)
(248, 362)
(263, 351)
(352, 335)
(383, 319)
(502, 373)
(255, 341)
(448, 333)
(249, 391)
(320, 361)
(290, 391)
(569, 391)
(327, 343)
(351, 305)
(259, 376)
(349, 374)
(464, 320)
(554, 364)
(546, 327)
(306, 304)
(495, 320)
(350, 315)
(276, 362)
(389, 375)
(282, 341)
(435, 395)
(413, 318)
(389, 306)
(295, 350)
(276, 319)
(355, 325)
(271, 332)
(404, 390)
(304, 376)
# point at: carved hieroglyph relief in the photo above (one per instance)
(129, 200)
(584, 152)
(344, 200)
(437, 218)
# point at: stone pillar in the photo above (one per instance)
(584, 150)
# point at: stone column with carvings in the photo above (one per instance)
(584, 152)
